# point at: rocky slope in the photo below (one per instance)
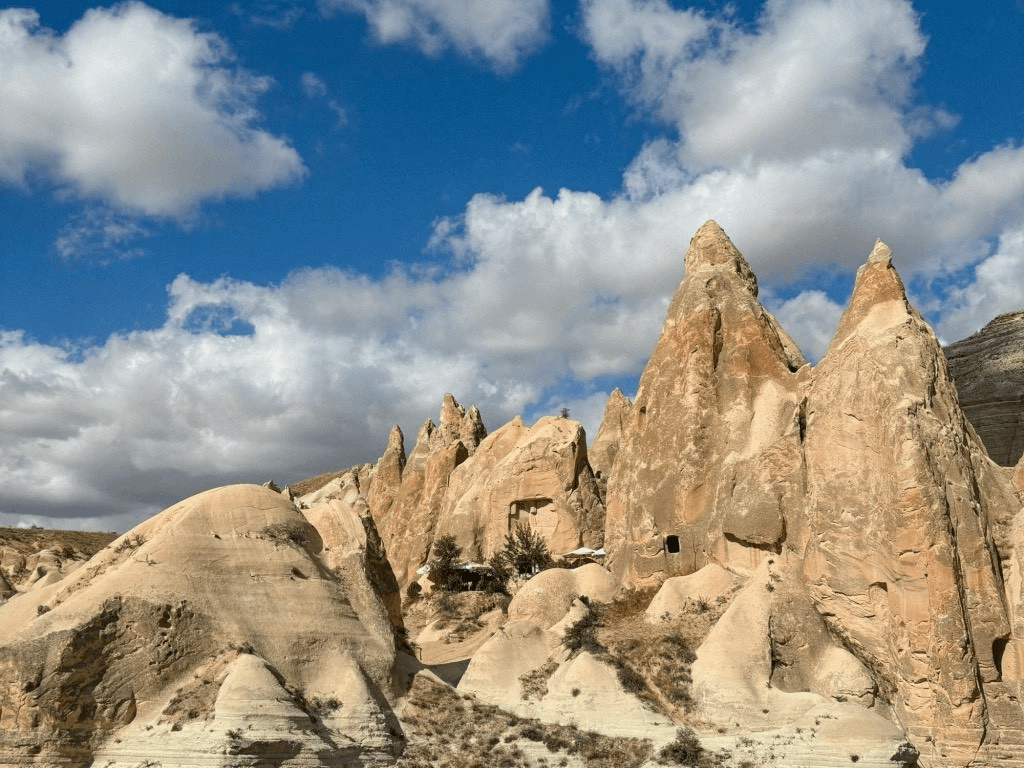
(213, 633)
(988, 368)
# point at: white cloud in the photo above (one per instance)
(813, 77)
(136, 108)
(247, 382)
(312, 85)
(996, 287)
(502, 32)
(810, 317)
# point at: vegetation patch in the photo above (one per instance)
(460, 612)
(448, 731)
(534, 684)
(652, 661)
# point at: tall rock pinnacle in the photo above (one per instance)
(709, 457)
(903, 511)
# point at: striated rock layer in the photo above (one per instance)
(861, 478)
(988, 368)
(214, 632)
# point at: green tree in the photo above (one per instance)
(443, 572)
(526, 552)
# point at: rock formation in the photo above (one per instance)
(405, 497)
(605, 447)
(861, 478)
(213, 632)
(903, 513)
(538, 478)
(709, 462)
(988, 368)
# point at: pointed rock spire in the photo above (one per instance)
(893, 541)
(605, 447)
(706, 461)
(711, 248)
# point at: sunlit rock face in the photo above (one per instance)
(861, 477)
(213, 632)
(709, 462)
(988, 368)
(405, 496)
(538, 478)
(903, 513)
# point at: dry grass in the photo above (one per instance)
(27, 541)
(460, 612)
(652, 660)
(315, 483)
(448, 731)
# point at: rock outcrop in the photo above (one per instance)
(709, 461)
(902, 517)
(213, 632)
(988, 368)
(405, 498)
(897, 536)
(537, 478)
(605, 447)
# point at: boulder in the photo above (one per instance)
(709, 583)
(548, 596)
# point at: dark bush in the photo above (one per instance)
(443, 572)
(685, 750)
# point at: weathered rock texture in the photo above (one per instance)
(988, 368)
(537, 478)
(861, 479)
(903, 513)
(458, 480)
(214, 632)
(405, 496)
(605, 447)
(709, 462)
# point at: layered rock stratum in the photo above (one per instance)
(212, 634)
(988, 368)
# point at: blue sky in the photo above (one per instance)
(241, 240)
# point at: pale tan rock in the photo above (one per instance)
(354, 551)
(1018, 477)
(708, 584)
(605, 447)
(386, 477)
(537, 478)
(547, 597)
(519, 647)
(408, 523)
(770, 660)
(988, 368)
(709, 463)
(152, 619)
(904, 512)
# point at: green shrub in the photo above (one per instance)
(443, 572)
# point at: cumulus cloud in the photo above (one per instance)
(244, 382)
(995, 288)
(502, 32)
(134, 108)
